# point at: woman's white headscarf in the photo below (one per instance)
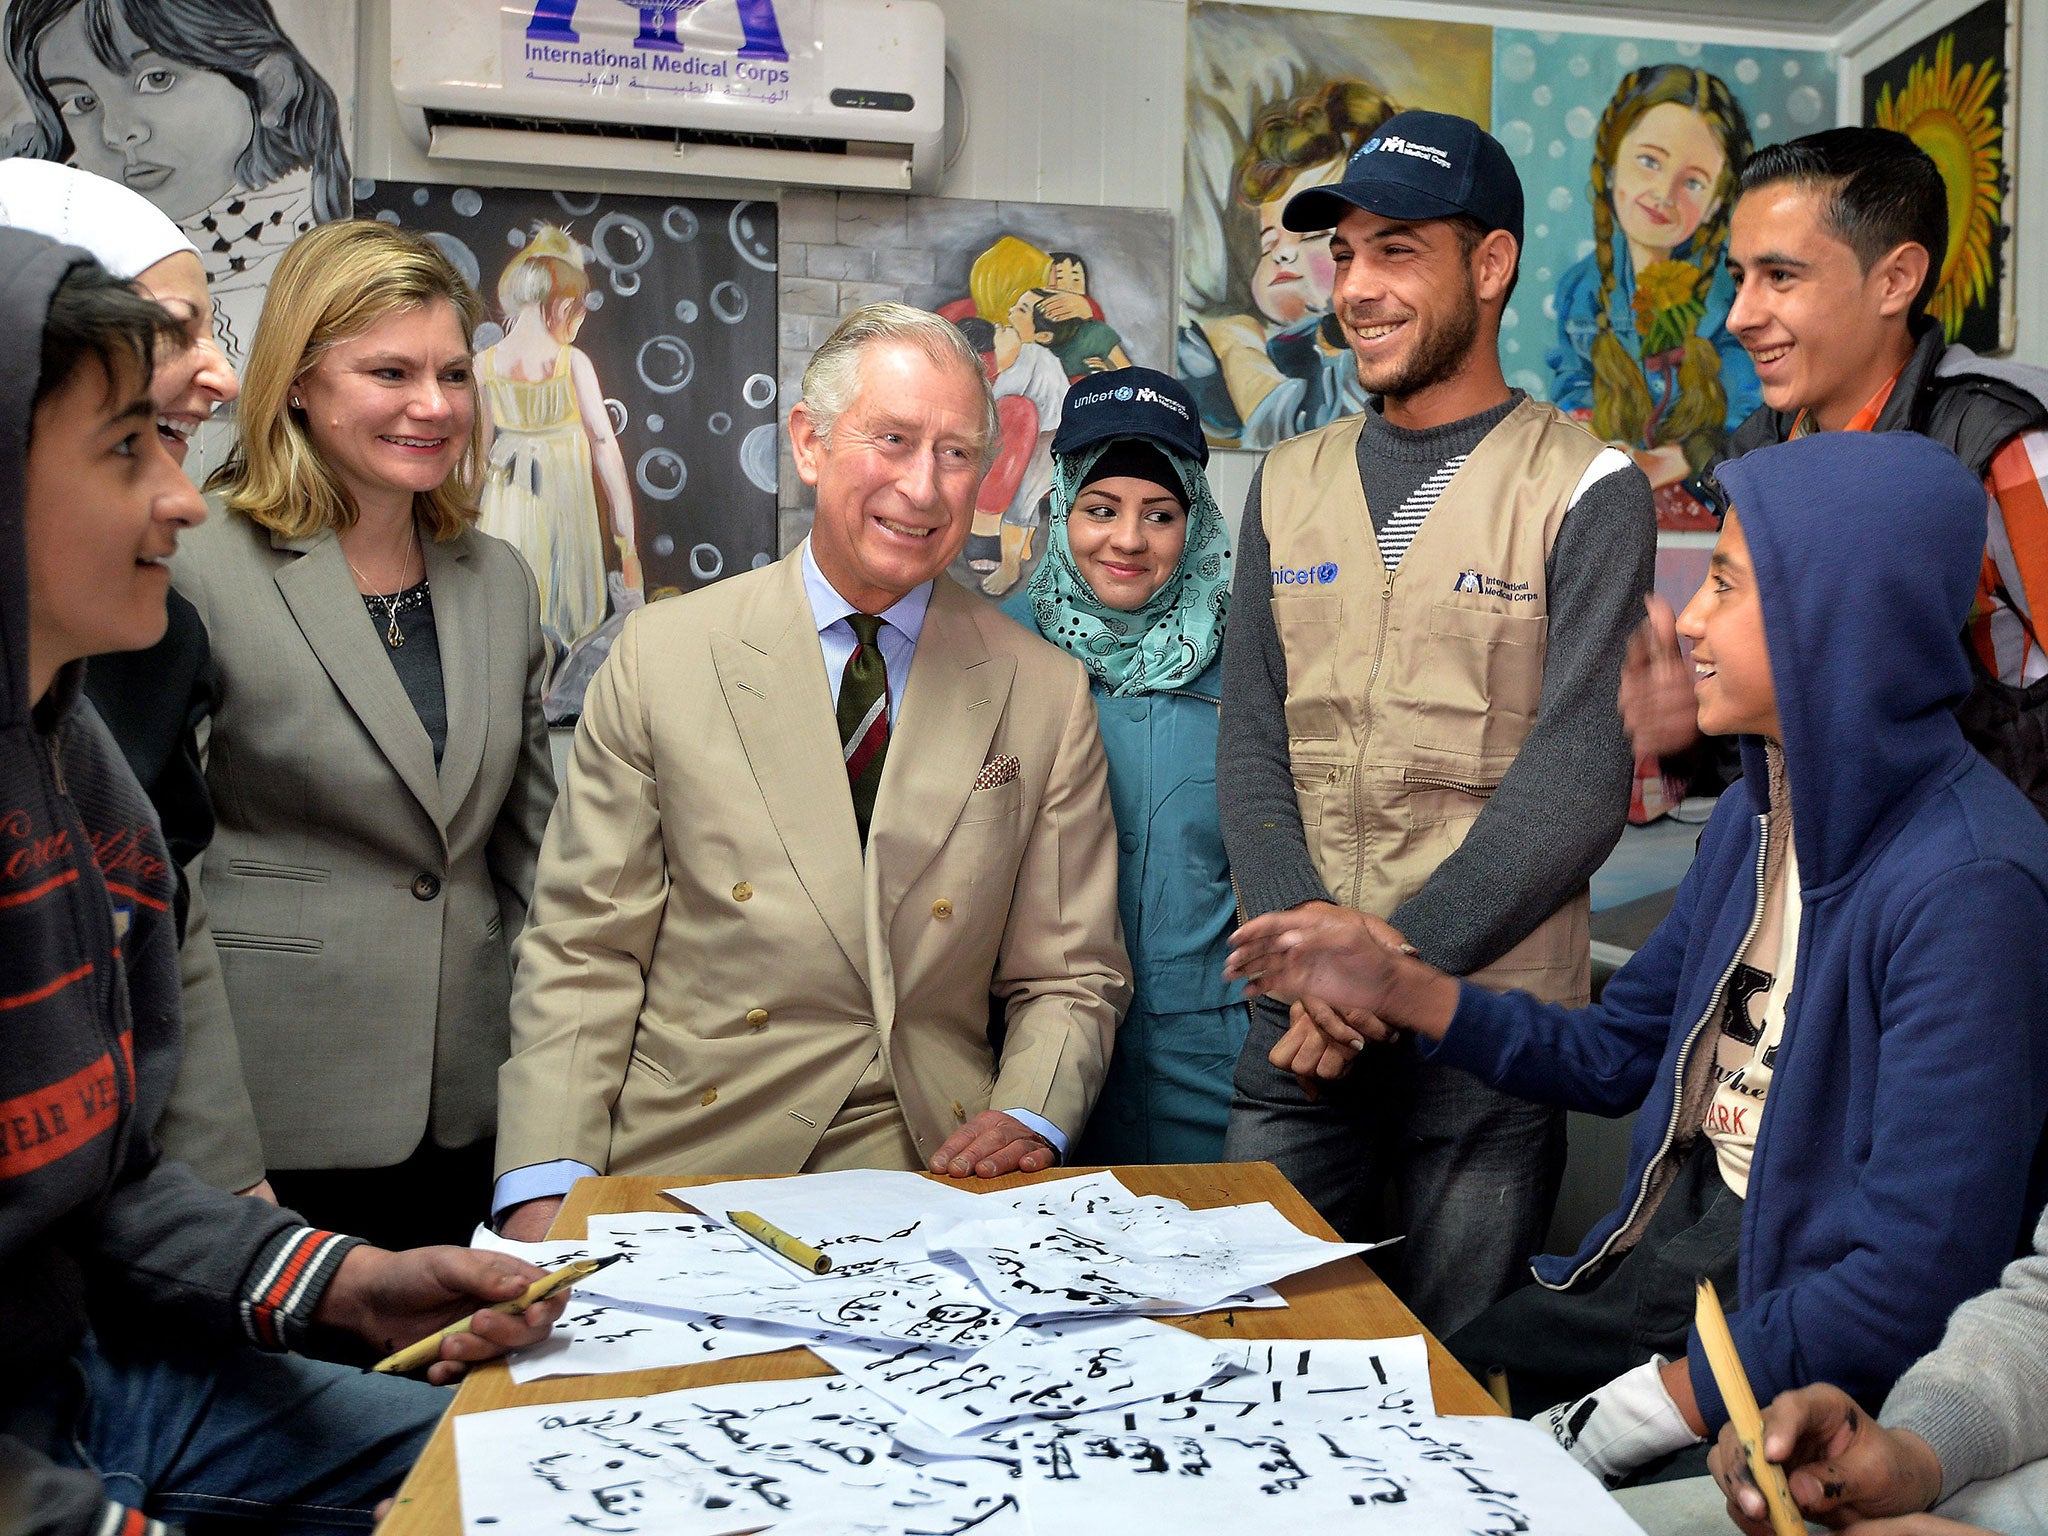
(124, 231)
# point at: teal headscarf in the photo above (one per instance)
(1172, 637)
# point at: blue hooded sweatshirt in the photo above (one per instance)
(1891, 1174)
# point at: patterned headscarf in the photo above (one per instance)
(1172, 637)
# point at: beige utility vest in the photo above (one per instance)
(1410, 691)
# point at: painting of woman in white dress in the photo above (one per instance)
(549, 430)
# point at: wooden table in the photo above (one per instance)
(1343, 1300)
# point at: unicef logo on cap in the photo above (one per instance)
(1368, 147)
(1124, 392)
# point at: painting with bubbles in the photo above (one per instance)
(627, 375)
(1629, 149)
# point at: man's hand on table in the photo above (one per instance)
(990, 1144)
(390, 1300)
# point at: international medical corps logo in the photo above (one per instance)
(553, 21)
(1494, 586)
(1305, 575)
(1394, 144)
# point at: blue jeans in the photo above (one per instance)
(1475, 1171)
(272, 1442)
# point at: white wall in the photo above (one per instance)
(1066, 101)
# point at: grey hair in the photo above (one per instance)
(832, 378)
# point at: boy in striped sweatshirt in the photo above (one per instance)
(144, 1317)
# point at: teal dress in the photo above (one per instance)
(1167, 1097)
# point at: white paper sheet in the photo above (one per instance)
(1052, 1266)
(695, 1264)
(598, 1336)
(714, 1461)
(1168, 1468)
(859, 1217)
(1328, 1378)
(1056, 1369)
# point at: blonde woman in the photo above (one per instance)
(377, 758)
(542, 397)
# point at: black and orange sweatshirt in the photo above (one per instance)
(97, 1229)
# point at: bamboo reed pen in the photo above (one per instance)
(428, 1350)
(1743, 1412)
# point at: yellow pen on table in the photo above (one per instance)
(1743, 1413)
(794, 1249)
(427, 1350)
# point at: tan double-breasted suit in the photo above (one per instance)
(714, 966)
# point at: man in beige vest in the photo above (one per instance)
(1431, 606)
(765, 942)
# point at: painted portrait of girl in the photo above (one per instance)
(205, 107)
(1644, 353)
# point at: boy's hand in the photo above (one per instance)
(1658, 709)
(389, 1300)
(1345, 961)
(1843, 1466)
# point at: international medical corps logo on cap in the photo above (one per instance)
(1394, 144)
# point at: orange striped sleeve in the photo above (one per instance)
(2015, 481)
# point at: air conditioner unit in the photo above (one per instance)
(825, 93)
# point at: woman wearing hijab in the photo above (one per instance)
(1135, 583)
(153, 700)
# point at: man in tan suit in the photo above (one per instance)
(765, 942)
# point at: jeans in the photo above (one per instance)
(235, 1438)
(1475, 1171)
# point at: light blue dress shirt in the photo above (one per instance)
(902, 623)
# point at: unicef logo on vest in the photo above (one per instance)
(1305, 575)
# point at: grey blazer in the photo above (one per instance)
(363, 906)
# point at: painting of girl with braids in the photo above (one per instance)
(208, 108)
(1643, 348)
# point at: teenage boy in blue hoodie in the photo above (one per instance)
(1839, 1037)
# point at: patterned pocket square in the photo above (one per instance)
(996, 772)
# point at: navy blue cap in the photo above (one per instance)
(1419, 165)
(1131, 402)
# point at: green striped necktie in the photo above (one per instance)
(864, 717)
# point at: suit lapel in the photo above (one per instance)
(329, 612)
(773, 676)
(462, 624)
(951, 707)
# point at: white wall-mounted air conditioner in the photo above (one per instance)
(826, 93)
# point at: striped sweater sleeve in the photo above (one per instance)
(290, 1275)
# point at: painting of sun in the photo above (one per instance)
(1951, 93)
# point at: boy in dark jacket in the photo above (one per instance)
(1839, 1037)
(143, 1315)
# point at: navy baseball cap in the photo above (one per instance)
(1131, 402)
(1419, 165)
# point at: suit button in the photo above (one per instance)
(710, 1097)
(757, 1017)
(959, 1111)
(942, 909)
(1128, 842)
(743, 892)
(426, 887)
